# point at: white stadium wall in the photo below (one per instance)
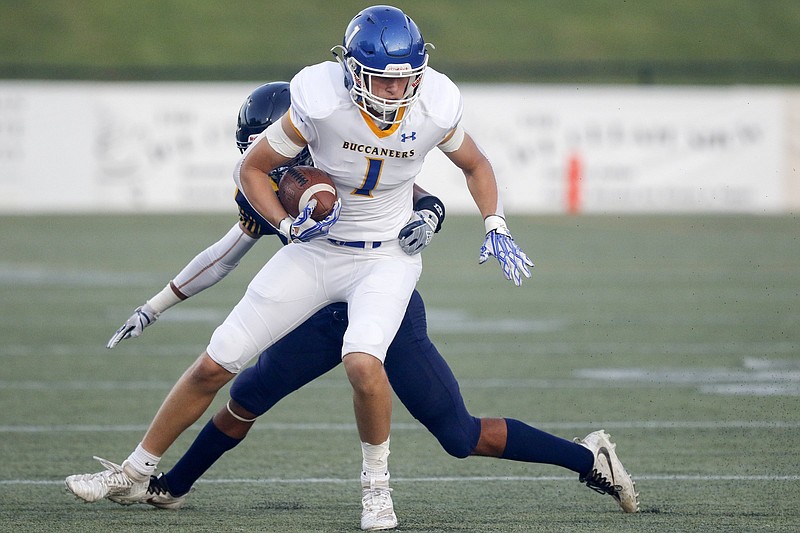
(83, 147)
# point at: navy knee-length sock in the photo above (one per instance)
(531, 445)
(209, 446)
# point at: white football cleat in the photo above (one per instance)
(607, 475)
(120, 484)
(377, 509)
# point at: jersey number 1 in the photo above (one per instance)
(371, 178)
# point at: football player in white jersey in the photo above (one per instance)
(371, 134)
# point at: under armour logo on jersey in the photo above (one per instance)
(404, 137)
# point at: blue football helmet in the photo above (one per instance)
(264, 106)
(382, 41)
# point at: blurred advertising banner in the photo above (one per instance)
(169, 147)
(630, 149)
(109, 147)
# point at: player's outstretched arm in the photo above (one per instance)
(500, 244)
(483, 188)
(206, 269)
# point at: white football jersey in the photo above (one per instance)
(373, 169)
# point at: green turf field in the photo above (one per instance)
(677, 334)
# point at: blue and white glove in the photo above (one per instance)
(141, 318)
(418, 232)
(304, 228)
(500, 244)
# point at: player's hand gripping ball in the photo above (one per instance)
(300, 184)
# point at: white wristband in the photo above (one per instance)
(165, 299)
(495, 223)
(285, 228)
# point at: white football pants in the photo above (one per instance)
(302, 278)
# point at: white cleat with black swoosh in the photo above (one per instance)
(607, 475)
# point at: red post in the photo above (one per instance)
(574, 176)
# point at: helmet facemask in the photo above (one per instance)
(360, 78)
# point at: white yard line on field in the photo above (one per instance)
(446, 479)
(750, 351)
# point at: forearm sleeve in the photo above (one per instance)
(213, 263)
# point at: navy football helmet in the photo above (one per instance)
(261, 108)
(382, 41)
(264, 106)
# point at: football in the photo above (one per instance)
(302, 183)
